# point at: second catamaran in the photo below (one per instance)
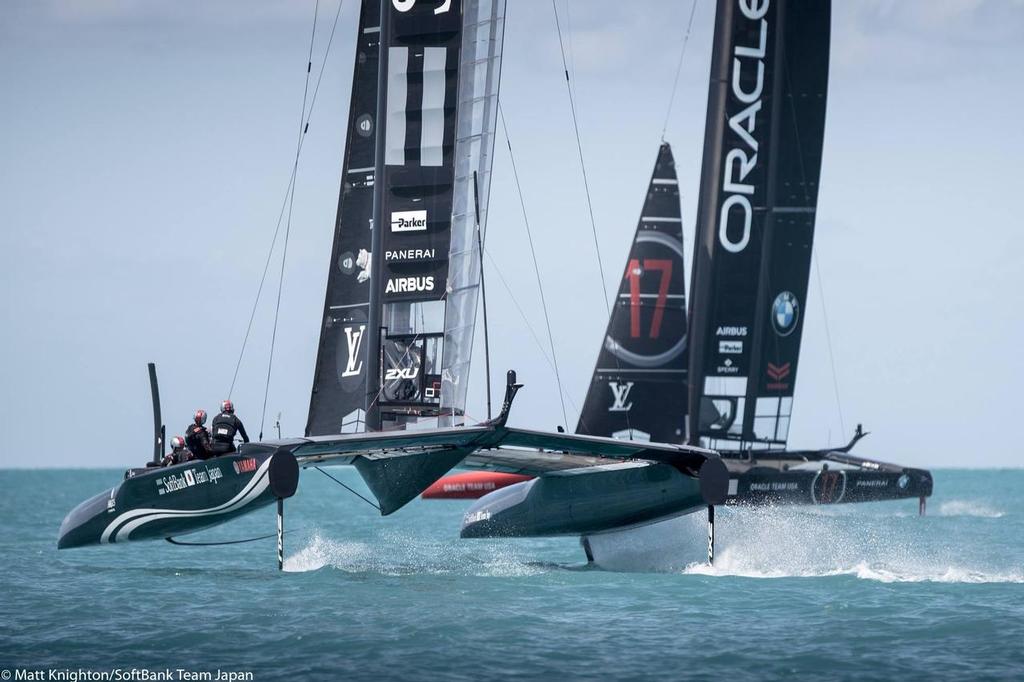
(726, 380)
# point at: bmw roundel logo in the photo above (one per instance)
(785, 313)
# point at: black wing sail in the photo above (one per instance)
(339, 382)
(442, 86)
(401, 300)
(639, 385)
(755, 221)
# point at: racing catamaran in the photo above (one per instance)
(398, 326)
(752, 259)
(726, 380)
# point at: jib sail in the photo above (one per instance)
(639, 385)
(437, 94)
(755, 222)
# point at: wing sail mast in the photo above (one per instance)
(638, 389)
(755, 222)
(428, 95)
(337, 404)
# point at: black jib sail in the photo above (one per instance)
(755, 222)
(404, 352)
(639, 385)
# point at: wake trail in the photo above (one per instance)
(816, 543)
(401, 554)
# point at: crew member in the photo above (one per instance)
(225, 425)
(197, 438)
(179, 454)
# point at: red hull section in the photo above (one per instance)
(471, 485)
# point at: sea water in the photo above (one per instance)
(870, 591)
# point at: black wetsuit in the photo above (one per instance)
(224, 427)
(197, 439)
(177, 457)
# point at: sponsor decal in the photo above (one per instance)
(433, 391)
(409, 254)
(785, 313)
(731, 331)
(190, 477)
(408, 221)
(777, 373)
(736, 213)
(774, 486)
(903, 481)
(354, 339)
(620, 394)
(482, 515)
(409, 285)
(349, 263)
(406, 5)
(396, 373)
(873, 483)
(476, 486)
(828, 487)
(364, 125)
(244, 466)
(730, 347)
(728, 367)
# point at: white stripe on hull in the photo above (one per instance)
(136, 517)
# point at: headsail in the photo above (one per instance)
(755, 222)
(437, 97)
(639, 385)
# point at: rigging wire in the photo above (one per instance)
(526, 321)
(568, 31)
(364, 499)
(586, 186)
(288, 224)
(291, 181)
(814, 258)
(218, 543)
(828, 339)
(679, 68)
(536, 267)
(583, 166)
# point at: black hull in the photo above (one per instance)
(585, 501)
(163, 502)
(754, 484)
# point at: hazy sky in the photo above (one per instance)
(145, 147)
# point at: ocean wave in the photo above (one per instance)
(402, 555)
(321, 552)
(969, 508)
(728, 565)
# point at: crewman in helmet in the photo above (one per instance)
(225, 426)
(179, 454)
(197, 438)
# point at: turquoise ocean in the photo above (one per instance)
(865, 592)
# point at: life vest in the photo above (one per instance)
(224, 428)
